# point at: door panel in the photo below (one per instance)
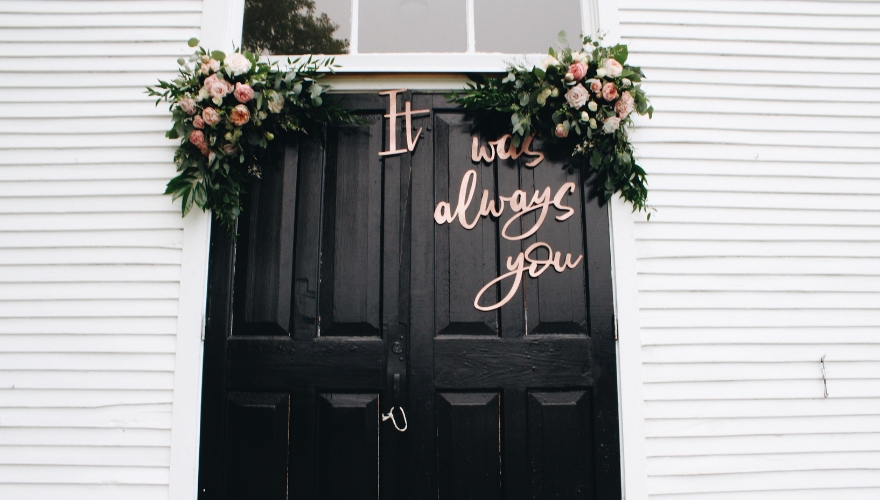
(466, 259)
(348, 458)
(559, 445)
(257, 445)
(556, 302)
(469, 446)
(341, 300)
(351, 260)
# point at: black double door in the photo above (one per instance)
(341, 298)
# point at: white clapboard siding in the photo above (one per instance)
(764, 253)
(90, 249)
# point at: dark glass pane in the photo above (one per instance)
(525, 26)
(412, 26)
(296, 26)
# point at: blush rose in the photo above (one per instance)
(625, 105)
(188, 106)
(239, 115)
(197, 137)
(560, 131)
(609, 91)
(211, 116)
(578, 70)
(577, 96)
(243, 92)
(611, 125)
(198, 122)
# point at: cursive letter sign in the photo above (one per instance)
(518, 267)
(479, 153)
(520, 205)
(392, 123)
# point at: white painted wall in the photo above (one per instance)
(764, 253)
(90, 249)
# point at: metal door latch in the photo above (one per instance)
(390, 416)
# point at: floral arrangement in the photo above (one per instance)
(226, 110)
(583, 100)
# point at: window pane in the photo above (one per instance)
(412, 26)
(525, 26)
(296, 26)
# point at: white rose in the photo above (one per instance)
(577, 96)
(585, 117)
(593, 106)
(583, 57)
(613, 68)
(611, 124)
(593, 123)
(275, 102)
(601, 72)
(547, 62)
(237, 63)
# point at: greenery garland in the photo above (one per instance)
(226, 110)
(583, 100)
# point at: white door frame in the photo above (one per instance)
(221, 29)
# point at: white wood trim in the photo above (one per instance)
(633, 446)
(355, 27)
(186, 407)
(629, 352)
(471, 30)
(425, 63)
(221, 29)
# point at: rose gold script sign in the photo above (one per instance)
(519, 204)
(407, 115)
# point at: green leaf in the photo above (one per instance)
(562, 38)
(192, 42)
(619, 53)
(540, 73)
(218, 55)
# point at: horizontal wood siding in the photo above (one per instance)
(90, 250)
(764, 253)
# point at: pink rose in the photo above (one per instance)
(609, 91)
(211, 116)
(578, 70)
(198, 122)
(211, 65)
(239, 115)
(217, 87)
(625, 105)
(576, 96)
(228, 149)
(613, 68)
(243, 92)
(560, 131)
(188, 106)
(203, 147)
(611, 125)
(197, 138)
(595, 86)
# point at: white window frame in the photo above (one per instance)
(221, 29)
